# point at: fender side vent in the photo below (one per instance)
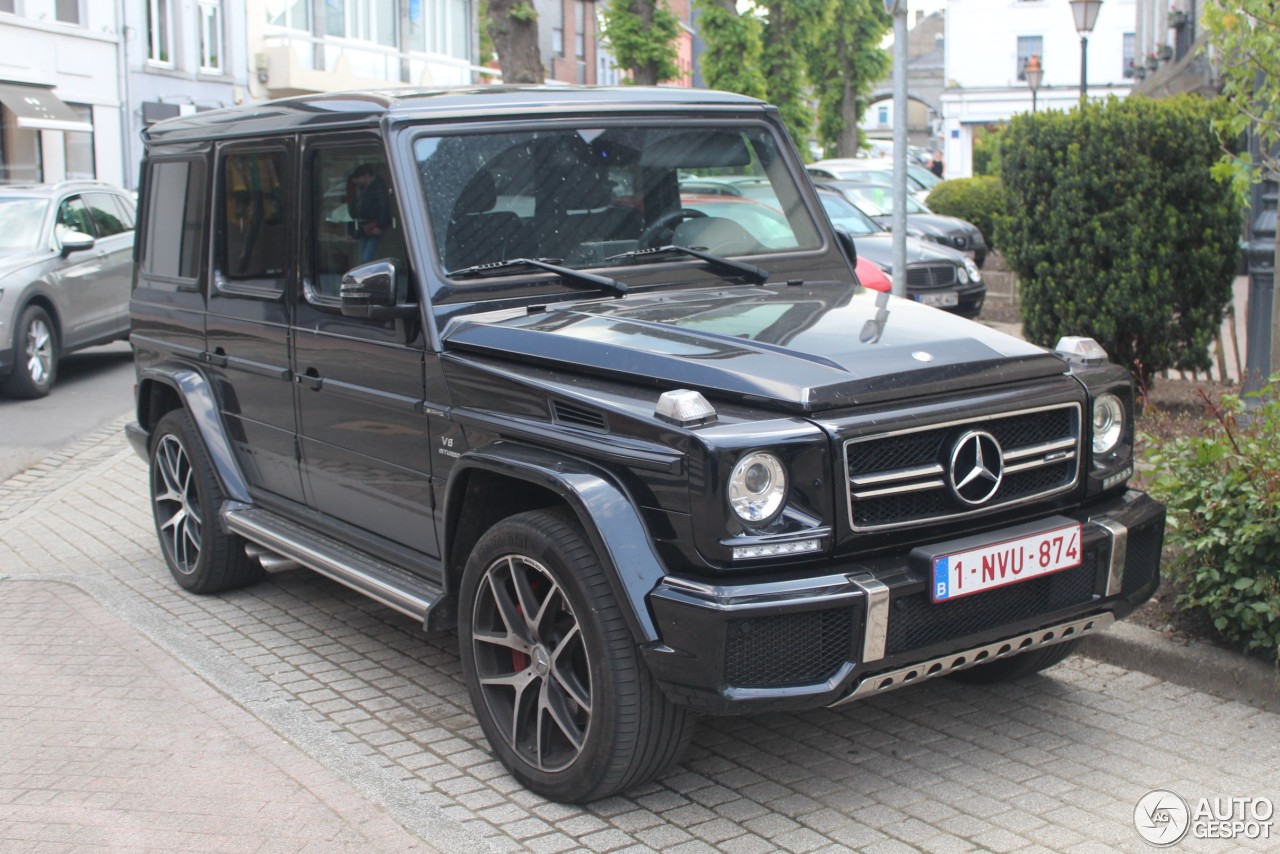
(574, 415)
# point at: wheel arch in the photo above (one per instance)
(163, 389)
(49, 304)
(491, 484)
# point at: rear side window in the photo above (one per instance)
(175, 219)
(253, 228)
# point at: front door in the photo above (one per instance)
(364, 439)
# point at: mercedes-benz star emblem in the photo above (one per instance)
(977, 467)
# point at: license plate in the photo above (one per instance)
(988, 567)
(946, 299)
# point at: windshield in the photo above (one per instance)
(20, 222)
(844, 215)
(923, 176)
(584, 196)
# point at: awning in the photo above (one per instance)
(38, 108)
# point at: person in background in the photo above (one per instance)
(935, 164)
(370, 210)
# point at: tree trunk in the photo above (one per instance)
(847, 140)
(647, 73)
(515, 40)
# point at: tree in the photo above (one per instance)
(732, 60)
(641, 35)
(844, 63)
(513, 27)
(1118, 230)
(788, 34)
(1245, 36)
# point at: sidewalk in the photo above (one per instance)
(111, 744)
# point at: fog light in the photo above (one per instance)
(794, 547)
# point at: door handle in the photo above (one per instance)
(311, 379)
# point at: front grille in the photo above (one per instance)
(901, 478)
(1143, 558)
(915, 621)
(789, 649)
(930, 275)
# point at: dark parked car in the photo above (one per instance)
(876, 201)
(66, 262)
(936, 276)
(470, 353)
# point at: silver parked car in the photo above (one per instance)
(66, 265)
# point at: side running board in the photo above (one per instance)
(394, 587)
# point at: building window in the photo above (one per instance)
(557, 41)
(580, 29)
(9, 6)
(290, 14)
(210, 15)
(21, 157)
(459, 29)
(1028, 46)
(78, 146)
(882, 115)
(66, 11)
(160, 32)
(369, 20)
(1130, 46)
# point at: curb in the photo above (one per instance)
(1199, 665)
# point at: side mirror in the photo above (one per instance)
(75, 241)
(370, 291)
(845, 239)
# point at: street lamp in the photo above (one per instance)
(1034, 74)
(1086, 14)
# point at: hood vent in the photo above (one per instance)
(575, 415)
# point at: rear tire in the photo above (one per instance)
(35, 355)
(185, 500)
(563, 695)
(1017, 667)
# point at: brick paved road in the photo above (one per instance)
(1054, 763)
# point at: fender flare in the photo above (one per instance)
(198, 399)
(603, 507)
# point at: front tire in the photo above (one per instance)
(1018, 666)
(553, 670)
(185, 499)
(35, 349)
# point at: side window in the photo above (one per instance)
(106, 215)
(353, 215)
(175, 221)
(73, 215)
(253, 229)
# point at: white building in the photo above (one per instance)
(60, 91)
(301, 46)
(987, 46)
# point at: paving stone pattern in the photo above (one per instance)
(1054, 763)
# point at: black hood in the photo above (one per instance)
(878, 249)
(804, 348)
(934, 224)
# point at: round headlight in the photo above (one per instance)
(757, 487)
(1108, 423)
(962, 275)
(975, 275)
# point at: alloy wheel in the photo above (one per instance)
(532, 663)
(39, 351)
(176, 504)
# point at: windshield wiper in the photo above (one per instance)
(568, 275)
(727, 266)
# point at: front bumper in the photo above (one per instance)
(860, 629)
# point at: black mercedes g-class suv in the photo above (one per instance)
(468, 353)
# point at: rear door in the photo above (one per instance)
(247, 328)
(115, 248)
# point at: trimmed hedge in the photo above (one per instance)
(1117, 230)
(979, 200)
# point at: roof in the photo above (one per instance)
(333, 110)
(41, 190)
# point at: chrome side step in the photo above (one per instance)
(910, 675)
(286, 541)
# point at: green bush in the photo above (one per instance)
(979, 200)
(1117, 230)
(1222, 488)
(986, 150)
